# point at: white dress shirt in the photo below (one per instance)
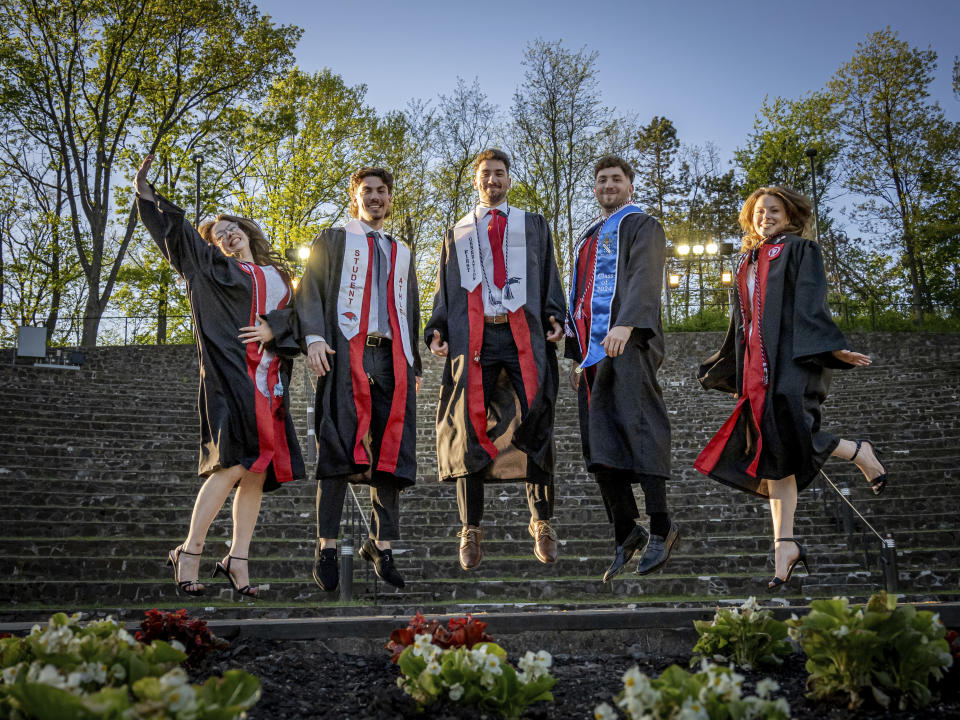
(492, 295)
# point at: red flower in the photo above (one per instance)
(459, 632)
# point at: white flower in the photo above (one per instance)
(174, 678)
(9, 675)
(631, 681)
(487, 681)
(492, 665)
(693, 710)
(126, 637)
(119, 672)
(544, 659)
(604, 712)
(421, 644)
(766, 687)
(181, 697)
(433, 667)
(456, 691)
(842, 631)
(177, 645)
(783, 706)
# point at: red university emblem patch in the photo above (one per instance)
(773, 251)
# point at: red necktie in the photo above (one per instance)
(498, 223)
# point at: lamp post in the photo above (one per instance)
(683, 250)
(198, 160)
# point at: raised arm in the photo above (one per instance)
(177, 240)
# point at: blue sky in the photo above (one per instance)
(705, 65)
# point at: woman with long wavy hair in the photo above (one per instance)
(777, 359)
(240, 298)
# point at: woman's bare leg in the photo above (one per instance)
(866, 460)
(210, 499)
(783, 507)
(246, 511)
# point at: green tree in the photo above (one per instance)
(84, 73)
(292, 164)
(557, 128)
(890, 126)
(657, 182)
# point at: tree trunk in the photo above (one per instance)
(162, 315)
(92, 312)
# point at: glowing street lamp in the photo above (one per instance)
(683, 249)
(726, 278)
(673, 280)
(698, 249)
(712, 248)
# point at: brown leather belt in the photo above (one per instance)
(376, 340)
(495, 319)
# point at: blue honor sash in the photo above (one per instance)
(604, 282)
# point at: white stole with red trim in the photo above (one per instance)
(353, 280)
(469, 258)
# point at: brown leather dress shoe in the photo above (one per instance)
(544, 541)
(470, 552)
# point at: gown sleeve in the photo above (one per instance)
(309, 298)
(438, 316)
(815, 334)
(640, 301)
(414, 296)
(283, 325)
(177, 240)
(719, 371)
(554, 303)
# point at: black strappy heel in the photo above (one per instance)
(880, 481)
(248, 590)
(173, 558)
(776, 583)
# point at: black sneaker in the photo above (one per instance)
(382, 562)
(326, 569)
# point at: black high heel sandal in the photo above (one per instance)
(173, 558)
(249, 590)
(880, 481)
(776, 583)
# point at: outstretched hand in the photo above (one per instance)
(556, 334)
(140, 184)
(438, 346)
(853, 358)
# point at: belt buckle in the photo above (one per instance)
(373, 341)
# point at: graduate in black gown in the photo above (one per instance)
(777, 358)
(240, 298)
(359, 314)
(614, 334)
(497, 310)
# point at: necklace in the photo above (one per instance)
(507, 292)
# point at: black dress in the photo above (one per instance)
(244, 393)
(778, 363)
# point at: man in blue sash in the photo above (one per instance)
(615, 335)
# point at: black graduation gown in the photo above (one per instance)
(238, 425)
(799, 336)
(336, 406)
(518, 439)
(623, 418)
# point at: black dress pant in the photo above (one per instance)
(384, 487)
(616, 489)
(499, 354)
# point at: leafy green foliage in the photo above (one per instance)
(98, 670)
(480, 676)
(748, 636)
(889, 652)
(714, 693)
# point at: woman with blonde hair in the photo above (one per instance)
(240, 298)
(777, 358)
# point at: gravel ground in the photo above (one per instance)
(303, 679)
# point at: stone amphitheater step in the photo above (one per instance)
(99, 488)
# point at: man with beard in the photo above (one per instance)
(615, 335)
(495, 319)
(359, 313)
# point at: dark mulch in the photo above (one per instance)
(303, 679)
